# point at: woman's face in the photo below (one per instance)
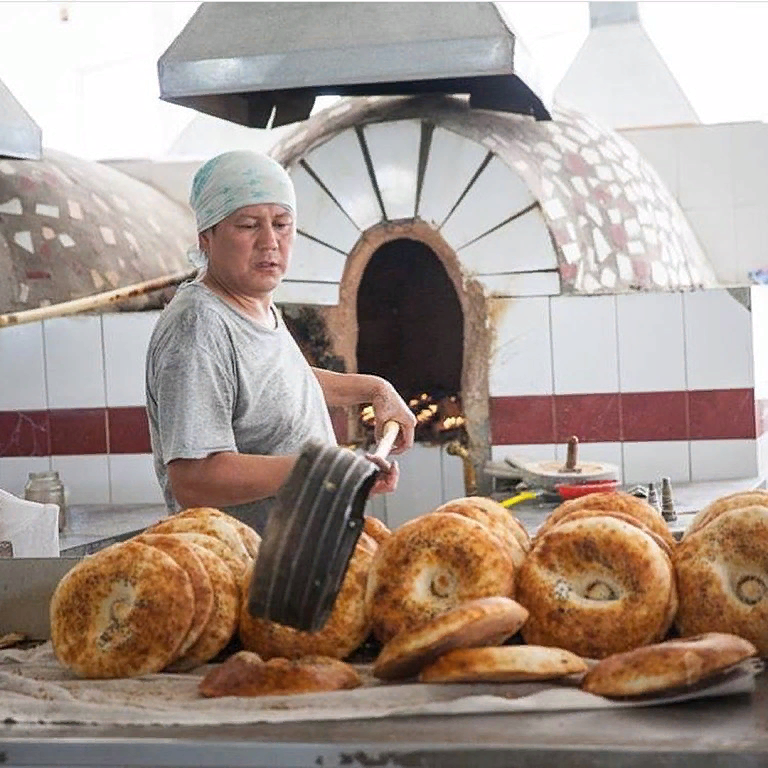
(249, 251)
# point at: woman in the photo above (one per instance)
(230, 398)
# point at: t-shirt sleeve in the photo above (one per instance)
(195, 388)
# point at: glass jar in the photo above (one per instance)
(47, 488)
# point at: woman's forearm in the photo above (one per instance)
(226, 479)
(350, 388)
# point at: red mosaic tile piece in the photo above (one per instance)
(593, 418)
(128, 430)
(25, 433)
(649, 416)
(722, 414)
(522, 420)
(78, 431)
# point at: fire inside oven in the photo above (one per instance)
(411, 332)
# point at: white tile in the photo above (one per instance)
(14, 471)
(419, 488)
(723, 459)
(74, 362)
(751, 242)
(706, 170)
(126, 338)
(762, 455)
(661, 149)
(394, 150)
(497, 194)
(604, 453)
(543, 452)
(715, 230)
(584, 347)
(651, 342)
(521, 284)
(522, 245)
(521, 357)
(453, 161)
(759, 301)
(340, 165)
(132, 479)
(86, 478)
(749, 150)
(718, 341)
(22, 381)
(313, 262)
(648, 462)
(297, 292)
(318, 214)
(452, 476)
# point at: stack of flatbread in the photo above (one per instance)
(168, 599)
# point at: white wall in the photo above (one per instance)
(718, 175)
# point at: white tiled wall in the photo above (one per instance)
(126, 337)
(85, 477)
(22, 362)
(14, 471)
(521, 358)
(651, 342)
(718, 341)
(649, 462)
(717, 173)
(584, 344)
(74, 362)
(132, 479)
(723, 459)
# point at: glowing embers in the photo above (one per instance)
(438, 419)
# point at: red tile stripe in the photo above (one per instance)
(719, 414)
(629, 417)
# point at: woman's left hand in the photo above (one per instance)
(387, 477)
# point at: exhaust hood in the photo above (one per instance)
(20, 136)
(262, 64)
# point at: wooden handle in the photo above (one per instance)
(97, 301)
(572, 458)
(388, 436)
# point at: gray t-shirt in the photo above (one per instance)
(218, 381)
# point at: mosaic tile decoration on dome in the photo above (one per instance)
(615, 225)
(71, 228)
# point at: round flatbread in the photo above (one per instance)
(222, 623)
(665, 666)
(208, 525)
(246, 674)
(122, 612)
(218, 548)
(343, 632)
(430, 565)
(482, 622)
(184, 555)
(754, 498)
(249, 538)
(376, 529)
(504, 664)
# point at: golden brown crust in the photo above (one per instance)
(367, 542)
(507, 664)
(667, 665)
(754, 498)
(493, 516)
(184, 555)
(245, 674)
(376, 529)
(218, 548)
(222, 623)
(722, 574)
(482, 622)
(208, 525)
(121, 613)
(346, 628)
(596, 586)
(430, 565)
(613, 501)
(249, 538)
(580, 514)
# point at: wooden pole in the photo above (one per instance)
(97, 301)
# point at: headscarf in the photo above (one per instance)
(233, 180)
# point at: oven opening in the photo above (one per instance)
(411, 332)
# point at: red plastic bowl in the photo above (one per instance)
(568, 491)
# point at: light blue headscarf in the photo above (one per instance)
(233, 180)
